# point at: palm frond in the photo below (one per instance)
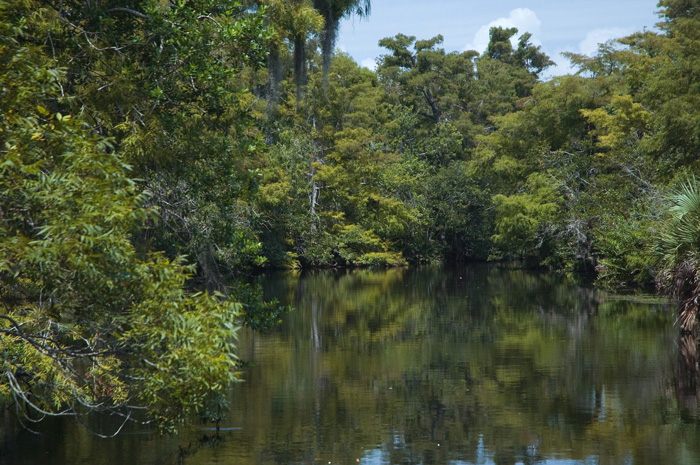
(686, 199)
(681, 235)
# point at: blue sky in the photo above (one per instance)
(558, 26)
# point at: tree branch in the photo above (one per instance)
(432, 103)
(128, 11)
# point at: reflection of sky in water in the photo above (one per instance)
(382, 457)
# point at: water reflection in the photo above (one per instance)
(477, 365)
(687, 375)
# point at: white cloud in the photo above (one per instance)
(589, 45)
(369, 63)
(523, 18)
(561, 67)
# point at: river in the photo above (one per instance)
(481, 364)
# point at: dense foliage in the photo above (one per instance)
(89, 322)
(138, 137)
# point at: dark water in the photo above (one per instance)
(478, 365)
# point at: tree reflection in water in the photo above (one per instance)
(477, 365)
(687, 374)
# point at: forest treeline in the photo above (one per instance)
(146, 145)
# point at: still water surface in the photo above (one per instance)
(475, 365)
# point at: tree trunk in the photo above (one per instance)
(275, 71)
(300, 66)
(313, 200)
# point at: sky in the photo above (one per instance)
(556, 25)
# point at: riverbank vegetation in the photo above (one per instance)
(150, 146)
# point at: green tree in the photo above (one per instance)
(525, 222)
(89, 322)
(505, 75)
(164, 84)
(327, 194)
(437, 86)
(662, 69)
(357, 218)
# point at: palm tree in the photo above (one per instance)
(678, 250)
(293, 22)
(333, 11)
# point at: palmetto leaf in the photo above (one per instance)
(686, 199)
(681, 236)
